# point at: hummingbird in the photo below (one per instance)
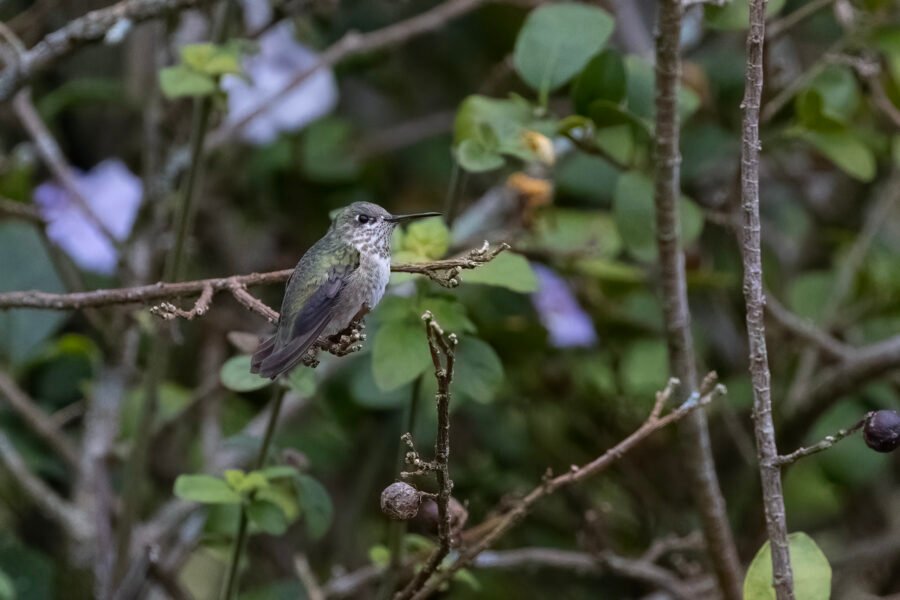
(339, 279)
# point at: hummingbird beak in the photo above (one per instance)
(410, 217)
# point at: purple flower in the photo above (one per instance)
(280, 59)
(114, 195)
(567, 323)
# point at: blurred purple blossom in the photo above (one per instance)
(567, 323)
(280, 59)
(114, 195)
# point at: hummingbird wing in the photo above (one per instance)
(302, 323)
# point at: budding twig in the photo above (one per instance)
(826, 443)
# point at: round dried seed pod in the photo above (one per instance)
(400, 501)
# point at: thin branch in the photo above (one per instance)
(19, 210)
(778, 28)
(445, 272)
(826, 443)
(308, 578)
(805, 330)
(355, 44)
(754, 298)
(499, 526)
(90, 28)
(75, 523)
(169, 311)
(251, 303)
(39, 421)
(698, 460)
(439, 344)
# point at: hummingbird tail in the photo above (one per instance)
(261, 354)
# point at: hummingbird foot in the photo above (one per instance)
(340, 344)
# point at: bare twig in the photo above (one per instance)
(53, 157)
(39, 421)
(805, 330)
(826, 443)
(75, 523)
(754, 297)
(439, 344)
(169, 311)
(507, 519)
(251, 303)
(698, 460)
(445, 272)
(19, 210)
(92, 27)
(308, 578)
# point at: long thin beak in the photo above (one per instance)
(402, 218)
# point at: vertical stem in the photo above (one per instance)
(767, 451)
(159, 348)
(694, 432)
(230, 587)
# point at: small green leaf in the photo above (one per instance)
(805, 293)
(449, 312)
(735, 15)
(845, 150)
(812, 573)
(508, 270)
(557, 41)
(233, 477)
(316, 505)
(301, 380)
(602, 79)
(379, 555)
(205, 489)
(475, 157)
(641, 95)
(399, 354)
(568, 230)
(236, 376)
(326, 153)
(478, 370)
(250, 482)
(278, 472)
(427, 239)
(7, 588)
(181, 81)
(268, 516)
(212, 59)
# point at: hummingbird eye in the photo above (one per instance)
(363, 219)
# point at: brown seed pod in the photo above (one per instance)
(882, 430)
(400, 501)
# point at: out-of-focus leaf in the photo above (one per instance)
(426, 239)
(812, 573)
(887, 39)
(578, 232)
(830, 100)
(845, 150)
(316, 505)
(809, 494)
(379, 555)
(182, 81)
(278, 472)
(449, 312)
(399, 354)
(326, 153)
(32, 574)
(602, 79)
(245, 483)
(23, 330)
(736, 14)
(807, 292)
(301, 380)
(475, 157)
(644, 369)
(205, 489)
(7, 588)
(641, 85)
(507, 270)
(236, 376)
(268, 516)
(478, 370)
(212, 59)
(557, 41)
(490, 120)
(633, 209)
(367, 393)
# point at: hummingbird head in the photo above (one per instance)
(368, 226)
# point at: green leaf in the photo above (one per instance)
(399, 354)
(7, 588)
(557, 41)
(236, 376)
(379, 555)
(22, 331)
(475, 157)
(278, 472)
(602, 79)
(326, 153)
(830, 101)
(181, 81)
(245, 483)
(644, 369)
(268, 516)
(845, 150)
(316, 504)
(212, 59)
(205, 489)
(633, 209)
(805, 294)
(426, 239)
(735, 15)
(812, 573)
(568, 230)
(449, 312)
(490, 120)
(478, 370)
(301, 380)
(641, 86)
(508, 270)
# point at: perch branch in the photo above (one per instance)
(439, 344)
(804, 329)
(509, 518)
(754, 298)
(20, 210)
(92, 27)
(444, 272)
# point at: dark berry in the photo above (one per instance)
(882, 430)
